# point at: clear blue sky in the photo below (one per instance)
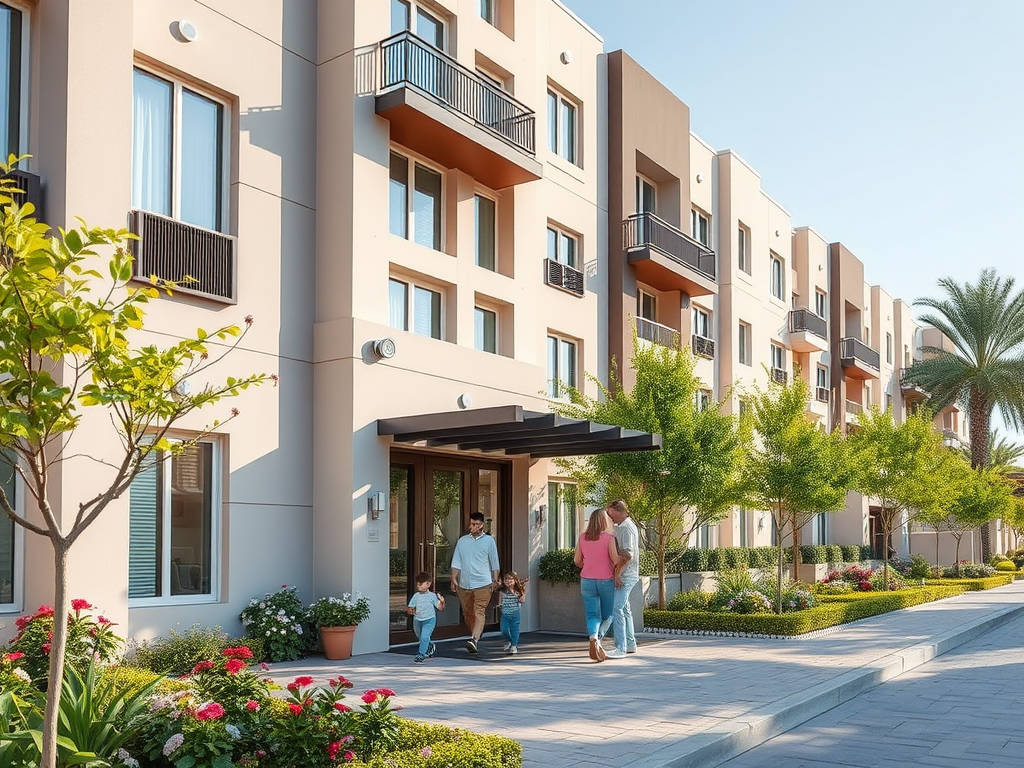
(893, 126)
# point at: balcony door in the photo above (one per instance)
(432, 497)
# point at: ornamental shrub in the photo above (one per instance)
(1006, 565)
(878, 582)
(690, 600)
(438, 746)
(851, 553)
(693, 560)
(649, 563)
(178, 652)
(345, 611)
(839, 587)
(866, 553)
(277, 619)
(976, 585)
(833, 553)
(966, 570)
(557, 566)
(398, 562)
(813, 554)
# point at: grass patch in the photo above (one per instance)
(833, 610)
(976, 585)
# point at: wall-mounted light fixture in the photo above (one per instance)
(566, 56)
(376, 502)
(184, 31)
(538, 514)
(700, 177)
(384, 348)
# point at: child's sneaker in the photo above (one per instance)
(420, 658)
(507, 646)
(431, 650)
(514, 649)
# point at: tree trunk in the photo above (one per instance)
(796, 548)
(58, 646)
(662, 545)
(981, 416)
(956, 558)
(778, 574)
(886, 533)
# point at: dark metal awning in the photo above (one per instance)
(517, 432)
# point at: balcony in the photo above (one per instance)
(666, 258)
(859, 360)
(31, 190)
(817, 404)
(202, 262)
(703, 346)
(656, 333)
(807, 331)
(779, 375)
(452, 115)
(563, 276)
(913, 392)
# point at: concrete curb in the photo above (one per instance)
(713, 747)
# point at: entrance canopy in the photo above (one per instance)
(516, 432)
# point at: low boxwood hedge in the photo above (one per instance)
(975, 585)
(557, 566)
(833, 610)
(438, 746)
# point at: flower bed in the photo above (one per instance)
(832, 610)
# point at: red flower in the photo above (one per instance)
(349, 755)
(239, 652)
(202, 666)
(13, 656)
(44, 610)
(385, 692)
(296, 709)
(304, 680)
(252, 705)
(293, 687)
(333, 749)
(234, 666)
(370, 696)
(80, 605)
(103, 621)
(341, 707)
(46, 647)
(211, 711)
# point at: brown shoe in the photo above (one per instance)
(594, 646)
(601, 655)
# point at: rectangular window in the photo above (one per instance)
(563, 247)
(562, 515)
(410, 15)
(701, 322)
(820, 528)
(174, 513)
(398, 305)
(702, 399)
(888, 348)
(561, 366)
(778, 357)
(888, 401)
(486, 233)
(700, 227)
(822, 377)
(417, 310)
(486, 9)
(7, 482)
(744, 406)
(704, 537)
(485, 336)
(10, 81)
(743, 344)
(562, 133)
(178, 152)
(743, 248)
(741, 519)
(778, 277)
(415, 213)
(821, 304)
(646, 195)
(647, 306)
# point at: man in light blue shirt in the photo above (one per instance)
(475, 576)
(628, 538)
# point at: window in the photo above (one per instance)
(563, 247)
(819, 528)
(778, 281)
(486, 233)
(888, 348)
(410, 15)
(702, 399)
(647, 306)
(561, 366)
(7, 483)
(174, 515)
(487, 11)
(414, 308)
(822, 380)
(743, 248)
(778, 357)
(743, 343)
(562, 515)
(179, 160)
(485, 336)
(741, 519)
(888, 401)
(821, 304)
(701, 322)
(744, 406)
(700, 227)
(562, 135)
(10, 82)
(415, 212)
(646, 195)
(704, 537)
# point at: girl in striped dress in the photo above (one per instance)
(513, 594)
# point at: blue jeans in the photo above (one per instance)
(622, 615)
(424, 628)
(510, 627)
(598, 598)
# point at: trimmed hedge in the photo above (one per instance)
(557, 566)
(975, 585)
(438, 746)
(834, 610)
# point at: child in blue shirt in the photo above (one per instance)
(422, 607)
(513, 594)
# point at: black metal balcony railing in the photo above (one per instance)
(821, 394)
(30, 188)
(702, 346)
(656, 332)
(407, 60)
(855, 349)
(563, 276)
(780, 375)
(199, 260)
(645, 230)
(805, 320)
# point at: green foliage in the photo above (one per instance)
(965, 570)
(177, 653)
(920, 568)
(852, 553)
(831, 611)
(814, 554)
(975, 584)
(694, 560)
(87, 637)
(557, 566)
(833, 553)
(866, 553)
(1005, 565)
(398, 562)
(437, 746)
(345, 611)
(649, 563)
(690, 600)
(277, 619)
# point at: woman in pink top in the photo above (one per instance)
(597, 555)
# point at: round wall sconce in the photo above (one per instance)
(384, 348)
(465, 400)
(184, 31)
(700, 177)
(565, 57)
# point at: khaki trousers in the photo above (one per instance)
(474, 608)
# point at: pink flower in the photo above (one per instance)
(296, 709)
(293, 687)
(349, 755)
(13, 656)
(370, 696)
(211, 711)
(239, 652)
(252, 705)
(46, 647)
(426, 752)
(341, 707)
(202, 666)
(304, 680)
(103, 621)
(234, 666)
(44, 610)
(333, 749)
(264, 666)
(80, 605)
(385, 692)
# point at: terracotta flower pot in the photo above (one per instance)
(337, 642)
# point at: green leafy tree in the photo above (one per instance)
(1003, 454)
(905, 467)
(793, 469)
(984, 321)
(984, 496)
(67, 347)
(692, 481)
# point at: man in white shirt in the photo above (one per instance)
(475, 576)
(628, 538)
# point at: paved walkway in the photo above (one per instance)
(688, 702)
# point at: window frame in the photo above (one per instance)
(561, 233)
(821, 303)
(415, 6)
(776, 276)
(17, 546)
(697, 219)
(743, 247)
(178, 88)
(557, 537)
(412, 161)
(778, 354)
(641, 294)
(216, 534)
(821, 376)
(554, 381)
(556, 100)
(643, 182)
(888, 348)
(411, 285)
(493, 5)
(702, 398)
(743, 345)
(19, 83)
(701, 318)
(478, 195)
(481, 310)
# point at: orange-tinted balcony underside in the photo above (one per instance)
(665, 274)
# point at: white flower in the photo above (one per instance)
(233, 732)
(268, 633)
(173, 743)
(21, 674)
(298, 629)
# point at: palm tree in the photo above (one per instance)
(985, 369)
(1003, 455)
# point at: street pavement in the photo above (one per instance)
(686, 702)
(961, 709)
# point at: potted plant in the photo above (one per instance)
(337, 619)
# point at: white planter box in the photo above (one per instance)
(561, 607)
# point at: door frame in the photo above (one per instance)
(420, 522)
